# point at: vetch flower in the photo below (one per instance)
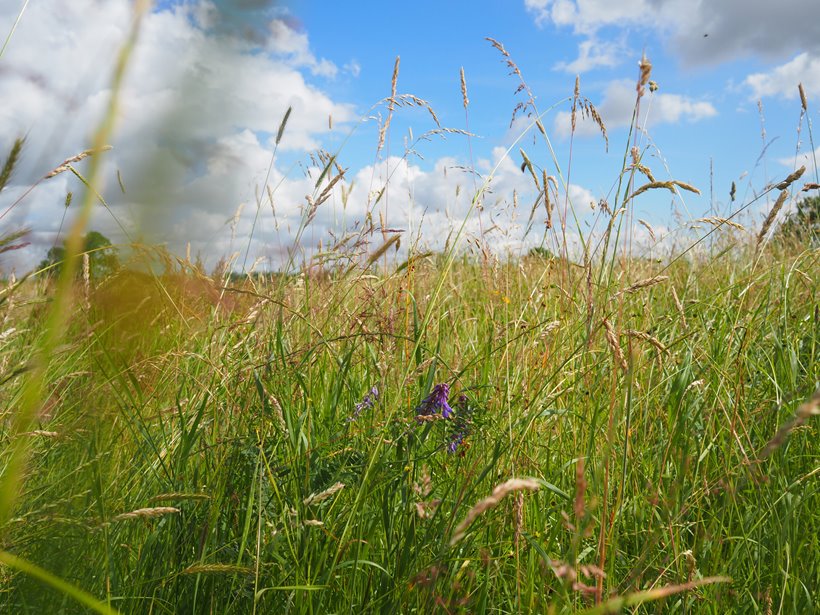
(436, 401)
(460, 424)
(456, 439)
(367, 403)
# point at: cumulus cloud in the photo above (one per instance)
(807, 159)
(782, 80)
(205, 92)
(617, 105)
(698, 32)
(594, 53)
(289, 42)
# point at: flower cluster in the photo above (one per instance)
(436, 401)
(367, 403)
(460, 424)
(437, 404)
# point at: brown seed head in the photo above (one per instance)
(803, 102)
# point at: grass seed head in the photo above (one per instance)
(316, 498)
(147, 513)
(464, 98)
(612, 340)
(803, 102)
(498, 494)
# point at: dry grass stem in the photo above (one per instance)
(66, 164)
(325, 194)
(670, 185)
(328, 493)
(791, 178)
(716, 221)
(498, 494)
(646, 71)
(527, 164)
(217, 569)
(646, 283)
(147, 513)
(648, 227)
(277, 412)
(647, 338)
(547, 201)
(618, 603)
(679, 307)
(391, 105)
(166, 497)
(579, 504)
(86, 281)
(612, 339)
(695, 384)
(809, 408)
(645, 170)
(464, 98)
(574, 112)
(767, 223)
(519, 518)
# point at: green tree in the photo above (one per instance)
(102, 257)
(802, 224)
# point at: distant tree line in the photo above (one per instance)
(802, 224)
(102, 257)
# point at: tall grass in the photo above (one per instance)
(617, 433)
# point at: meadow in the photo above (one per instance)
(438, 432)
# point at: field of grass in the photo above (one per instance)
(449, 433)
(203, 455)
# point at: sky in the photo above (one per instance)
(194, 158)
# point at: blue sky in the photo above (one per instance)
(211, 80)
(436, 39)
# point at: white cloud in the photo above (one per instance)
(698, 32)
(288, 42)
(585, 16)
(782, 81)
(195, 103)
(594, 53)
(581, 198)
(617, 106)
(806, 159)
(353, 68)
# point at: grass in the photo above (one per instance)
(621, 432)
(223, 426)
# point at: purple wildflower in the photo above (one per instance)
(460, 423)
(368, 402)
(457, 438)
(435, 401)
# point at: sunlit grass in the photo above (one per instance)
(225, 428)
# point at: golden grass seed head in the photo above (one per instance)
(464, 98)
(498, 494)
(612, 340)
(147, 513)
